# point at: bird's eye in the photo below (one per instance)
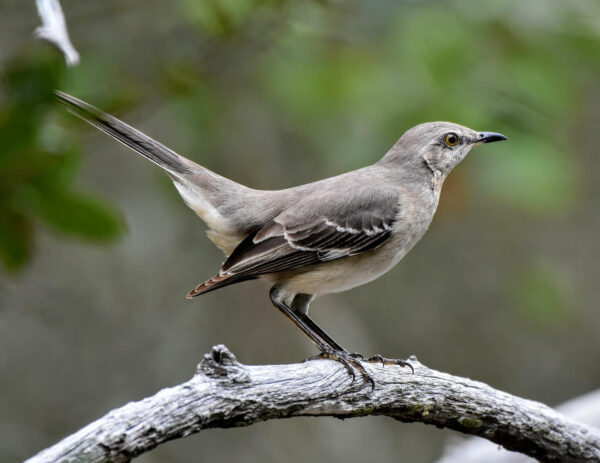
(451, 139)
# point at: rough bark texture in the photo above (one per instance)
(225, 393)
(585, 409)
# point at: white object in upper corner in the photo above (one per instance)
(54, 29)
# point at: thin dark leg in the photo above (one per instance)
(320, 332)
(333, 352)
(300, 307)
(374, 359)
(289, 313)
(326, 350)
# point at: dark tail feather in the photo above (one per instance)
(134, 139)
(218, 281)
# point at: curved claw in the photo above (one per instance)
(349, 361)
(404, 363)
(334, 356)
(377, 358)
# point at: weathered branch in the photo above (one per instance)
(585, 409)
(225, 393)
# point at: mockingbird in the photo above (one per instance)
(319, 238)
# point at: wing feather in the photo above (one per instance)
(317, 230)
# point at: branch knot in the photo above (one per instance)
(221, 363)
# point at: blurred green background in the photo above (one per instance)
(97, 251)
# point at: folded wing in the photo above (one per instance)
(317, 229)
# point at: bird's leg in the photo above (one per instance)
(300, 307)
(321, 333)
(328, 351)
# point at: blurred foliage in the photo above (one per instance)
(375, 77)
(38, 165)
(435, 63)
(224, 18)
(539, 297)
(467, 64)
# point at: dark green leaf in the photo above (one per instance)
(73, 213)
(15, 239)
(31, 79)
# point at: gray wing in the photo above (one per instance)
(317, 229)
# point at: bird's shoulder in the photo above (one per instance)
(353, 208)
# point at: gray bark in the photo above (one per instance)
(585, 409)
(225, 393)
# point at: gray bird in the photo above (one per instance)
(323, 237)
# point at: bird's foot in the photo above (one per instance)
(385, 361)
(349, 361)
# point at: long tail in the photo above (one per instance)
(204, 191)
(216, 282)
(133, 138)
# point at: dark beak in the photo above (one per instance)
(489, 137)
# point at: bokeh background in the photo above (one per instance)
(98, 251)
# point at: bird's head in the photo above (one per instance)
(438, 145)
